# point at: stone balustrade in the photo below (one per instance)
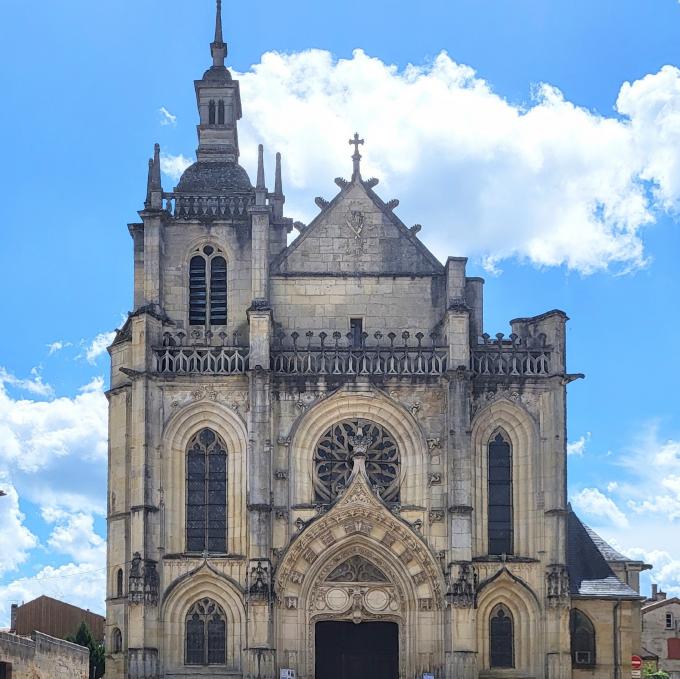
(511, 357)
(188, 206)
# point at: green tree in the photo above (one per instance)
(83, 637)
(650, 671)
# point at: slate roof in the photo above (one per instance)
(589, 573)
(214, 178)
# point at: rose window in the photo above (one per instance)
(333, 459)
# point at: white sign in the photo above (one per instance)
(290, 674)
(636, 674)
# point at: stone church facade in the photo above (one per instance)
(319, 462)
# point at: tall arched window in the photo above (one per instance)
(333, 459)
(500, 496)
(208, 288)
(501, 641)
(119, 582)
(220, 112)
(582, 640)
(206, 519)
(116, 641)
(211, 113)
(205, 634)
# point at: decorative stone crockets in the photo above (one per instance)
(462, 585)
(358, 560)
(557, 585)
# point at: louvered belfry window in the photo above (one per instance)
(501, 642)
(218, 291)
(500, 496)
(208, 288)
(220, 112)
(205, 634)
(206, 520)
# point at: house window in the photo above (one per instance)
(333, 459)
(208, 288)
(669, 621)
(5, 670)
(500, 496)
(501, 642)
(582, 640)
(119, 582)
(116, 641)
(206, 520)
(205, 634)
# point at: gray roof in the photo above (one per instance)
(215, 178)
(589, 573)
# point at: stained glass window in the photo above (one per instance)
(500, 497)
(501, 641)
(206, 634)
(206, 519)
(334, 453)
(582, 640)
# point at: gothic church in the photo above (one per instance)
(320, 466)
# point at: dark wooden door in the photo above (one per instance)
(369, 650)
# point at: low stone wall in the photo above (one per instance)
(43, 657)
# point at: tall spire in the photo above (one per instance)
(218, 48)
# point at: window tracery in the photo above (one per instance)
(205, 634)
(500, 520)
(501, 641)
(336, 449)
(208, 287)
(206, 519)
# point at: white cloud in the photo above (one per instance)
(33, 385)
(98, 346)
(593, 503)
(578, 447)
(550, 182)
(15, 539)
(74, 535)
(174, 166)
(54, 347)
(167, 118)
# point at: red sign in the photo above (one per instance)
(636, 662)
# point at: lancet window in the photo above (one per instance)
(333, 459)
(501, 639)
(582, 640)
(211, 113)
(119, 582)
(208, 288)
(500, 518)
(116, 641)
(205, 634)
(206, 520)
(220, 112)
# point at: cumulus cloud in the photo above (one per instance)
(174, 166)
(167, 118)
(97, 347)
(16, 540)
(54, 347)
(33, 384)
(578, 447)
(549, 182)
(594, 503)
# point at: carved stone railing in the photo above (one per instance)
(339, 355)
(179, 356)
(512, 357)
(190, 206)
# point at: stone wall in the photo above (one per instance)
(655, 635)
(43, 657)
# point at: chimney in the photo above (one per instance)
(13, 618)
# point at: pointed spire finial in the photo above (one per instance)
(278, 182)
(356, 157)
(156, 176)
(218, 47)
(260, 167)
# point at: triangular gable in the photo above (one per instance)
(357, 233)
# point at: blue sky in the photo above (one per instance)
(541, 139)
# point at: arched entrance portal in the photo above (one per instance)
(345, 650)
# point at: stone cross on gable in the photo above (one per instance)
(356, 158)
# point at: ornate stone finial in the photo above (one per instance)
(260, 167)
(156, 176)
(356, 157)
(360, 442)
(218, 48)
(154, 190)
(278, 182)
